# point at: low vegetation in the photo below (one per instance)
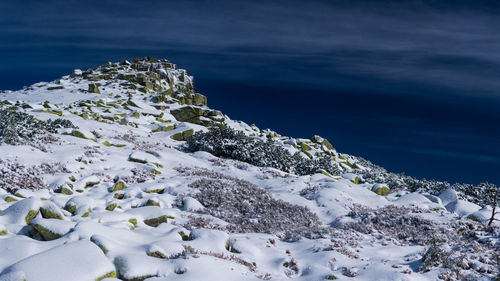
(232, 144)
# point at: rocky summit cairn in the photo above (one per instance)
(148, 75)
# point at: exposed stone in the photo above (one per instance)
(94, 88)
(320, 140)
(120, 185)
(190, 114)
(154, 222)
(381, 189)
(51, 211)
(182, 136)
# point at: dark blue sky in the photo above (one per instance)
(412, 85)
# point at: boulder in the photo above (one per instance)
(381, 189)
(120, 185)
(190, 114)
(322, 141)
(448, 196)
(94, 88)
(21, 212)
(50, 211)
(182, 136)
(77, 261)
(51, 229)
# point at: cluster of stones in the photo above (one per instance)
(313, 148)
(160, 78)
(147, 75)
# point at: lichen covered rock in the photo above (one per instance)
(120, 185)
(51, 229)
(182, 136)
(381, 189)
(94, 88)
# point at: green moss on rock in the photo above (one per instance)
(46, 234)
(64, 190)
(159, 190)
(70, 208)
(382, 190)
(86, 214)
(79, 134)
(157, 254)
(30, 216)
(90, 184)
(154, 222)
(49, 213)
(10, 199)
(133, 221)
(94, 88)
(190, 114)
(119, 196)
(111, 207)
(164, 129)
(120, 185)
(182, 136)
(19, 195)
(96, 240)
(304, 147)
(152, 202)
(109, 275)
(185, 237)
(56, 112)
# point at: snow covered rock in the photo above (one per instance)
(448, 196)
(381, 189)
(191, 204)
(462, 208)
(80, 260)
(51, 229)
(21, 212)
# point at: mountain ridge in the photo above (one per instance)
(135, 154)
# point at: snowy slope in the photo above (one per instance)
(119, 196)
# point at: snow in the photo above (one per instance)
(417, 199)
(191, 204)
(462, 208)
(80, 260)
(98, 240)
(448, 196)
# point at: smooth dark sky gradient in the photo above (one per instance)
(412, 85)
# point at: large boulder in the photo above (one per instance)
(190, 114)
(198, 115)
(51, 229)
(22, 212)
(77, 261)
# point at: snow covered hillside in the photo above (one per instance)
(122, 172)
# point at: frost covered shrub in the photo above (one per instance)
(20, 128)
(465, 249)
(479, 194)
(433, 257)
(232, 144)
(392, 222)
(249, 208)
(14, 176)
